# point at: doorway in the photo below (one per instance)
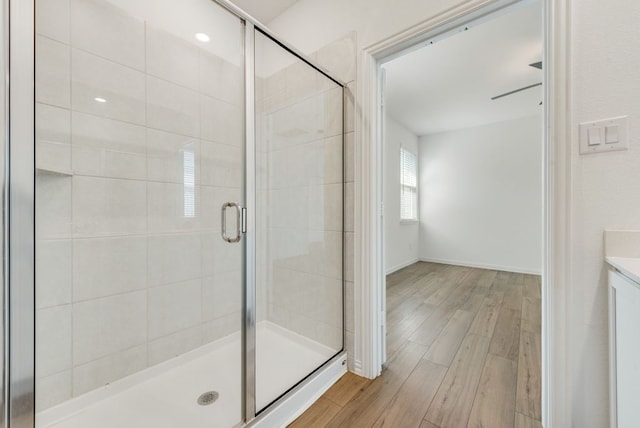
(463, 217)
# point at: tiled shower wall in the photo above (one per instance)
(303, 181)
(131, 269)
(303, 142)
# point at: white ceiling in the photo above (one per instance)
(264, 10)
(449, 85)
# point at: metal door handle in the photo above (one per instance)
(224, 222)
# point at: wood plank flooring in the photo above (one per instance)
(463, 350)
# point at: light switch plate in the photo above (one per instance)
(599, 128)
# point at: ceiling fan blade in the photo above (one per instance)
(537, 65)
(516, 91)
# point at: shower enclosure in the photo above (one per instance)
(173, 217)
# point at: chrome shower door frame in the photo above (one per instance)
(249, 257)
(18, 215)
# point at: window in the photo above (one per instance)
(408, 186)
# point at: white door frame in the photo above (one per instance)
(369, 264)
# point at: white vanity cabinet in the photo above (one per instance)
(624, 337)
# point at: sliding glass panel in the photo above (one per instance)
(139, 112)
(299, 220)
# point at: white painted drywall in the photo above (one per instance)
(605, 189)
(312, 24)
(481, 196)
(401, 238)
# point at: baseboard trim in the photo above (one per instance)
(482, 266)
(400, 266)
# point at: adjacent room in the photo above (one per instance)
(463, 213)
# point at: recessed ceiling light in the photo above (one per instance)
(202, 37)
(100, 100)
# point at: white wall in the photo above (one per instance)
(311, 24)
(605, 189)
(401, 239)
(481, 196)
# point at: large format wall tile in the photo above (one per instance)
(53, 75)
(289, 208)
(221, 165)
(52, 17)
(53, 335)
(172, 58)
(52, 390)
(53, 271)
(220, 327)
(222, 294)
(173, 207)
(53, 139)
(105, 30)
(108, 325)
(332, 112)
(173, 345)
(174, 258)
(326, 253)
(108, 148)
(221, 121)
(108, 266)
(324, 159)
(221, 79)
(289, 249)
(301, 81)
(105, 206)
(296, 124)
(174, 307)
(219, 255)
(173, 158)
(311, 163)
(172, 108)
(105, 370)
(122, 88)
(53, 205)
(325, 207)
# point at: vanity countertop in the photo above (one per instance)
(622, 251)
(629, 266)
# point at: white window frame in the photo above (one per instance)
(404, 186)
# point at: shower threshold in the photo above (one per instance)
(166, 395)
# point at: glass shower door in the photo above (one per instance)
(139, 143)
(299, 220)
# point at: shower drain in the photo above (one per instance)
(207, 398)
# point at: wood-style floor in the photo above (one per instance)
(463, 350)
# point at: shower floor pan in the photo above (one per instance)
(166, 395)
